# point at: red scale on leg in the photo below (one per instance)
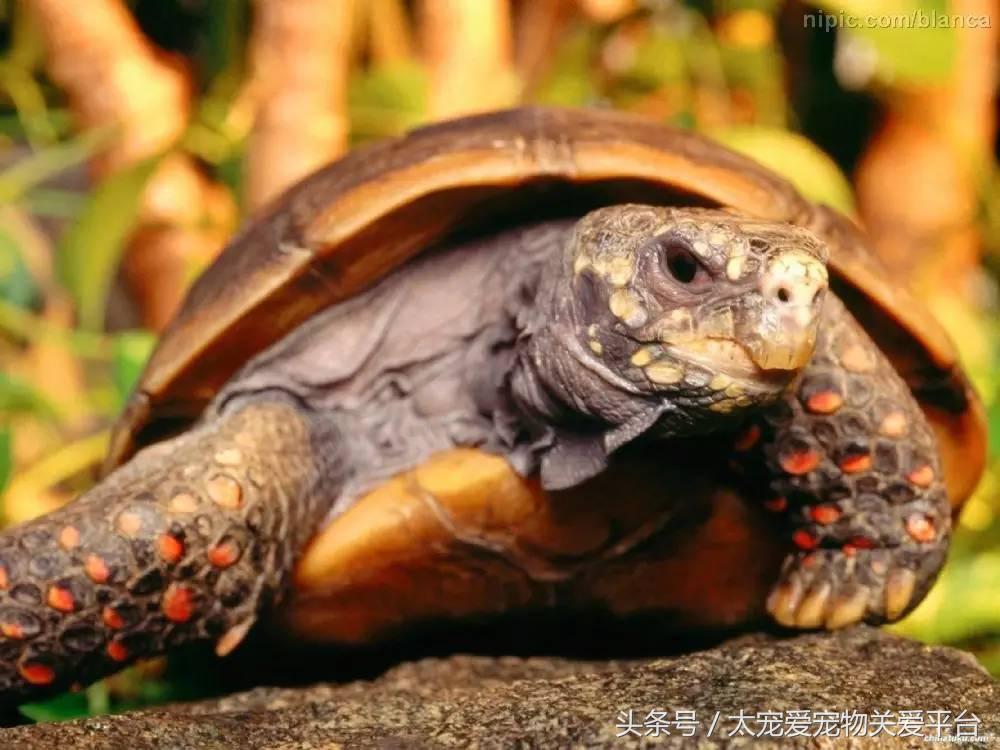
(112, 618)
(800, 461)
(170, 547)
(224, 554)
(20, 626)
(922, 476)
(821, 392)
(37, 673)
(804, 540)
(854, 356)
(117, 651)
(855, 463)
(747, 439)
(777, 504)
(921, 528)
(825, 514)
(69, 537)
(183, 503)
(810, 560)
(893, 425)
(60, 598)
(824, 402)
(129, 524)
(178, 603)
(857, 543)
(225, 492)
(96, 569)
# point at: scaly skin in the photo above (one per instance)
(851, 462)
(187, 541)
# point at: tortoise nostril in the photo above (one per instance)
(783, 294)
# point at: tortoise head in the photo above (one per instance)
(715, 310)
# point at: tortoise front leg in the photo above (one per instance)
(854, 467)
(187, 541)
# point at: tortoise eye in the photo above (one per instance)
(682, 265)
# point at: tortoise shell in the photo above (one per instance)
(340, 230)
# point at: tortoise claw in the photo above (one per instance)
(828, 589)
(848, 609)
(899, 586)
(784, 600)
(812, 611)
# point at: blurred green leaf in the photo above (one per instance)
(756, 72)
(94, 701)
(24, 91)
(993, 427)
(23, 325)
(91, 248)
(661, 59)
(14, 127)
(387, 100)
(27, 47)
(795, 157)
(988, 655)
(131, 350)
(225, 37)
(569, 82)
(38, 166)
(19, 397)
(98, 698)
(61, 708)
(963, 604)
(989, 220)
(771, 7)
(55, 203)
(24, 55)
(16, 284)
(133, 688)
(6, 458)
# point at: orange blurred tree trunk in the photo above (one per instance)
(539, 25)
(114, 78)
(300, 53)
(607, 11)
(390, 37)
(468, 49)
(918, 183)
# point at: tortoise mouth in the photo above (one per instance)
(734, 360)
(724, 355)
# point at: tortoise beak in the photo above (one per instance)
(792, 288)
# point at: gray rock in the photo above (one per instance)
(467, 701)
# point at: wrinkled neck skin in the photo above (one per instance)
(557, 379)
(577, 410)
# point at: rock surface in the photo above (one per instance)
(544, 702)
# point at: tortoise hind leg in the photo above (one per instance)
(854, 466)
(187, 541)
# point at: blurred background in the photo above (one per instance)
(136, 135)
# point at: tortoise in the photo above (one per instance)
(538, 360)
